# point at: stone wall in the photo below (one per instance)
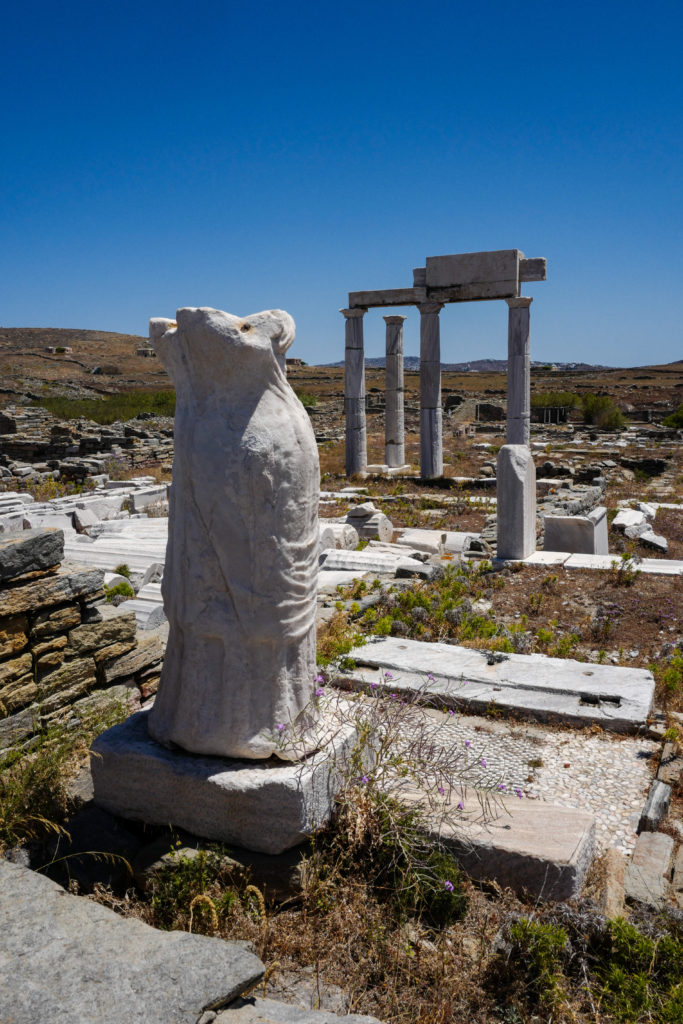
(63, 650)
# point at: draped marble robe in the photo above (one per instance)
(240, 577)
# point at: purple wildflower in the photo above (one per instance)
(468, 743)
(441, 790)
(281, 727)
(319, 692)
(448, 886)
(483, 762)
(364, 779)
(501, 785)
(461, 806)
(519, 793)
(388, 675)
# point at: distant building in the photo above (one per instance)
(295, 362)
(147, 351)
(61, 349)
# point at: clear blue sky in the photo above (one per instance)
(242, 156)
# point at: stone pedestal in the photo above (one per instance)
(516, 492)
(519, 372)
(431, 417)
(394, 424)
(267, 806)
(354, 392)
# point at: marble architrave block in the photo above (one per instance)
(518, 372)
(516, 505)
(240, 575)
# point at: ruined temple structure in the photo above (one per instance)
(468, 277)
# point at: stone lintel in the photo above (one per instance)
(519, 302)
(419, 277)
(387, 297)
(533, 269)
(475, 268)
(479, 292)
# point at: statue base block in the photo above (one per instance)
(265, 806)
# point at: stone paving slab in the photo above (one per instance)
(67, 960)
(649, 566)
(557, 689)
(541, 848)
(268, 1011)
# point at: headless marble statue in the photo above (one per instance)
(240, 577)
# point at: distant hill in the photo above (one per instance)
(17, 338)
(477, 365)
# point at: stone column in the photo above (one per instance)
(394, 424)
(354, 392)
(431, 421)
(519, 379)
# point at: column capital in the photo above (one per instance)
(357, 311)
(394, 319)
(430, 307)
(521, 302)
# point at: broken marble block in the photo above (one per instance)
(516, 508)
(581, 535)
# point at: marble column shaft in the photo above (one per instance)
(394, 419)
(354, 392)
(519, 372)
(431, 417)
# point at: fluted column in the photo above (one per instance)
(354, 392)
(431, 420)
(394, 420)
(519, 372)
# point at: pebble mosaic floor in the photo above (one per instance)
(606, 774)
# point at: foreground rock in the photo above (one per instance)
(66, 959)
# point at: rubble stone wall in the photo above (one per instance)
(63, 650)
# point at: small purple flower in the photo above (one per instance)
(451, 711)
(461, 806)
(388, 675)
(441, 790)
(281, 727)
(320, 678)
(501, 785)
(364, 779)
(319, 692)
(483, 762)
(519, 793)
(468, 743)
(373, 686)
(448, 886)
